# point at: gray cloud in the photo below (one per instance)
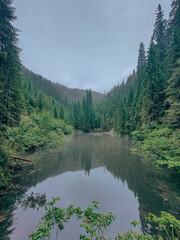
(84, 43)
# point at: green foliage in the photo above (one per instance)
(161, 145)
(37, 130)
(95, 224)
(53, 216)
(4, 171)
(167, 225)
(147, 105)
(173, 97)
(131, 235)
(60, 93)
(10, 77)
(84, 115)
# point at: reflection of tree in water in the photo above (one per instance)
(6, 220)
(9, 203)
(87, 152)
(34, 201)
(7, 207)
(145, 182)
(86, 155)
(141, 178)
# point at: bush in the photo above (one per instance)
(161, 146)
(95, 224)
(36, 131)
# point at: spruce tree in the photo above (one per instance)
(62, 113)
(141, 58)
(10, 77)
(153, 86)
(175, 25)
(173, 63)
(137, 104)
(76, 115)
(173, 97)
(158, 36)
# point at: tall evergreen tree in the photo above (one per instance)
(173, 97)
(175, 24)
(173, 35)
(77, 115)
(158, 36)
(141, 58)
(152, 87)
(173, 63)
(10, 77)
(62, 112)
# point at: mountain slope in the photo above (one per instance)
(61, 93)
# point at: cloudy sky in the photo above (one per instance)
(84, 43)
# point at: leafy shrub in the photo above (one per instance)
(161, 146)
(37, 130)
(95, 224)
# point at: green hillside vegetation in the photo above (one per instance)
(29, 118)
(147, 105)
(83, 115)
(42, 123)
(36, 113)
(62, 94)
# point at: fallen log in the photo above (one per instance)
(19, 158)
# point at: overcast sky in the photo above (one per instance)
(84, 43)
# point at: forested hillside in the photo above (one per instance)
(147, 105)
(42, 122)
(34, 112)
(62, 94)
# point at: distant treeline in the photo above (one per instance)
(62, 94)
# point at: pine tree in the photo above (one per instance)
(129, 111)
(141, 58)
(158, 36)
(173, 97)
(76, 115)
(175, 24)
(40, 101)
(173, 67)
(154, 79)
(62, 112)
(173, 36)
(10, 77)
(55, 112)
(137, 104)
(153, 85)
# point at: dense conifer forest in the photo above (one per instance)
(62, 94)
(36, 113)
(146, 106)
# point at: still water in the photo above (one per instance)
(88, 167)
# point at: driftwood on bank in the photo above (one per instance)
(19, 158)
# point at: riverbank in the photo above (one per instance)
(36, 131)
(160, 146)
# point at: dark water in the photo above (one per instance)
(89, 167)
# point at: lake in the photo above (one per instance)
(88, 167)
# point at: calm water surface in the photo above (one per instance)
(89, 167)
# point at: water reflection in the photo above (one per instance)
(154, 190)
(34, 201)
